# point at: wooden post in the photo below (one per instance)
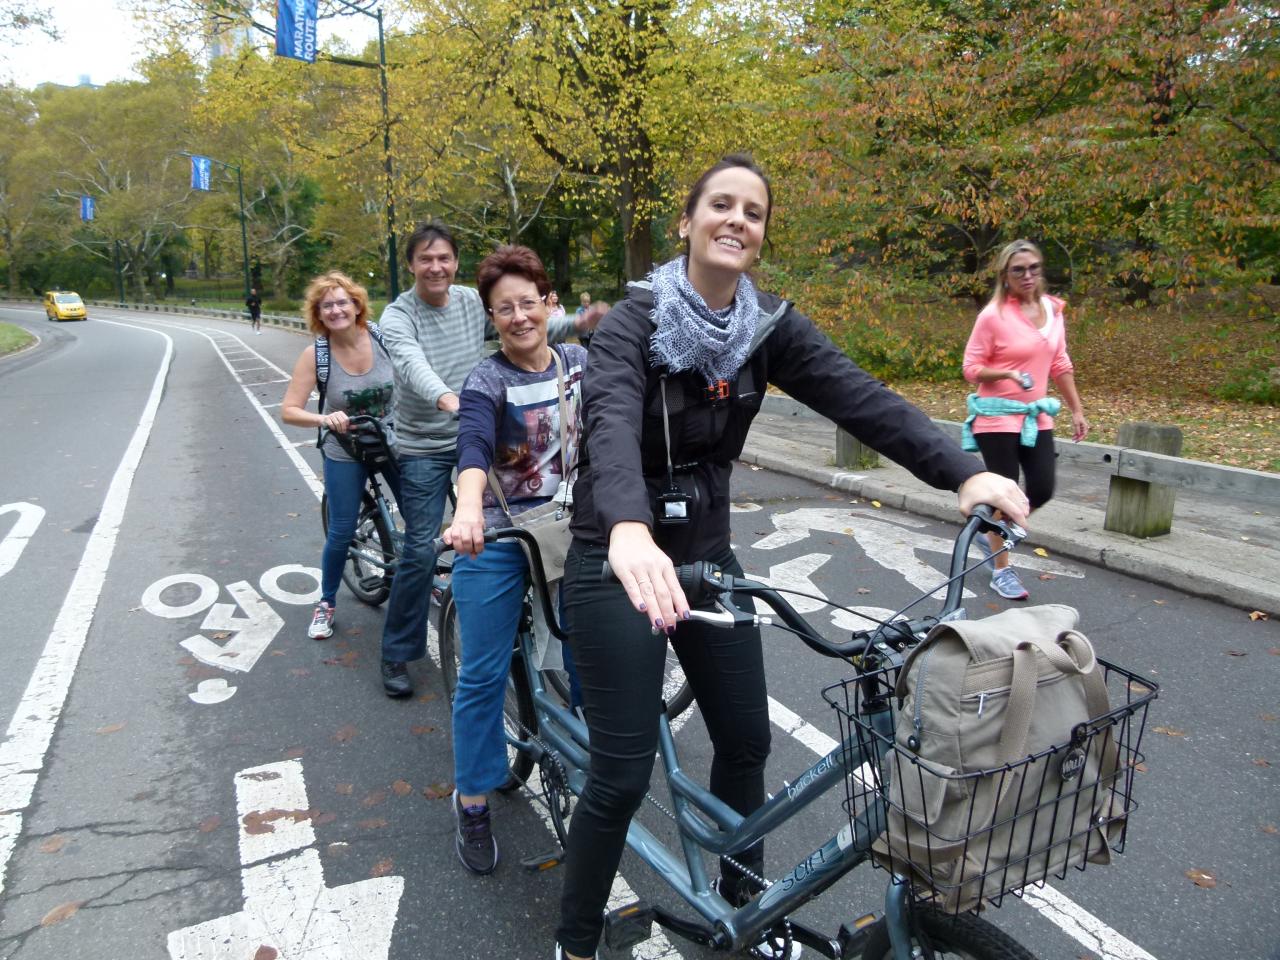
(1138, 507)
(853, 453)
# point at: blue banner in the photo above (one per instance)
(201, 173)
(86, 207)
(296, 29)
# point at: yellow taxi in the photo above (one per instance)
(64, 305)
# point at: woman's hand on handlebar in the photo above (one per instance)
(466, 532)
(647, 575)
(337, 421)
(1001, 492)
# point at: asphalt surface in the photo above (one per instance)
(128, 828)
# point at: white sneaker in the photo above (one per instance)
(321, 622)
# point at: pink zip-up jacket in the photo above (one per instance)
(1005, 339)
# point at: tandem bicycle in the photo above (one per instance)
(545, 733)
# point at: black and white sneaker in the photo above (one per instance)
(477, 849)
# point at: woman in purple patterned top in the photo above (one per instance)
(509, 422)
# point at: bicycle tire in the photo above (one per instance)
(519, 718)
(675, 686)
(944, 937)
(368, 583)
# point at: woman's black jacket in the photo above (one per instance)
(623, 465)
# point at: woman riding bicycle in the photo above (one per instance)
(678, 371)
(518, 423)
(360, 381)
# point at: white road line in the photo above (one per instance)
(285, 444)
(20, 534)
(26, 743)
(1072, 918)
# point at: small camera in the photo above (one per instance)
(1026, 381)
(672, 506)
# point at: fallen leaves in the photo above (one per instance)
(373, 799)
(1202, 878)
(110, 728)
(375, 823)
(348, 659)
(1260, 762)
(1168, 731)
(402, 788)
(420, 729)
(876, 504)
(346, 734)
(1270, 828)
(295, 753)
(210, 824)
(1040, 552)
(438, 791)
(1047, 576)
(63, 911)
(382, 867)
(258, 822)
(345, 789)
(1257, 615)
(53, 844)
(265, 952)
(1236, 653)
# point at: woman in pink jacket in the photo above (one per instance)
(1018, 343)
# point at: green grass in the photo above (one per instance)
(13, 338)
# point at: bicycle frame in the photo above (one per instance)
(706, 825)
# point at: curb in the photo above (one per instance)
(1251, 582)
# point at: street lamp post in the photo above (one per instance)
(393, 264)
(244, 233)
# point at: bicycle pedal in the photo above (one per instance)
(853, 937)
(628, 926)
(544, 861)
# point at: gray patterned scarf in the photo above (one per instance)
(689, 335)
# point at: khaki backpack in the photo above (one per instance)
(977, 807)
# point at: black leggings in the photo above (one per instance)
(1003, 453)
(620, 664)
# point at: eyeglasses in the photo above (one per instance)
(335, 304)
(1030, 270)
(505, 311)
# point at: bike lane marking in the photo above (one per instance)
(30, 731)
(20, 534)
(288, 908)
(794, 526)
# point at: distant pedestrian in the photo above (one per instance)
(254, 303)
(585, 300)
(555, 309)
(1018, 343)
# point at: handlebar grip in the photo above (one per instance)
(438, 545)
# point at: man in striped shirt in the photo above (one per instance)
(435, 333)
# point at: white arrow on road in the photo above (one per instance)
(287, 907)
(19, 535)
(253, 633)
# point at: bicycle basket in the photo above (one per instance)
(964, 839)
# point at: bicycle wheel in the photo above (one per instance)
(519, 720)
(675, 688)
(965, 937)
(369, 582)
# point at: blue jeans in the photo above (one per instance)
(489, 591)
(344, 483)
(424, 483)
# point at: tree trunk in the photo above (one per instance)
(633, 205)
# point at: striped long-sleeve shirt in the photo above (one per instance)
(433, 349)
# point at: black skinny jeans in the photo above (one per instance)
(1003, 453)
(620, 664)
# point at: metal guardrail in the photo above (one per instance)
(1176, 472)
(275, 319)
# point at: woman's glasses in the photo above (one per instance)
(335, 304)
(1030, 270)
(506, 311)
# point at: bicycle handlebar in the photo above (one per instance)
(704, 582)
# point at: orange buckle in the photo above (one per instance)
(718, 390)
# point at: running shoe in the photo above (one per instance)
(477, 849)
(1008, 585)
(321, 622)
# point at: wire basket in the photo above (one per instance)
(964, 839)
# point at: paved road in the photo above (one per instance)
(159, 674)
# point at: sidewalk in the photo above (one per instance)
(1224, 549)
